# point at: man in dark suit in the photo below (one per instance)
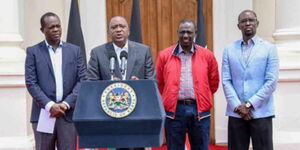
(139, 62)
(53, 71)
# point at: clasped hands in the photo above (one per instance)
(244, 112)
(58, 110)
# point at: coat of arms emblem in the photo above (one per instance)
(118, 100)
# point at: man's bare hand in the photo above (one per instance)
(247, 117)
(134, 78)
(116, 79)
(56, 111)
(244, 112)
(63, 106)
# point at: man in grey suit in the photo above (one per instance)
(139, 62)
(53, 72)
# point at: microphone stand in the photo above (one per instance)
(123, 75)
(111, 67)
(123, 57)
(111, 75)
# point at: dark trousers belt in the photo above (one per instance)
(186, 101)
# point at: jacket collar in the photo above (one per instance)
(255, 40)
(177, 50)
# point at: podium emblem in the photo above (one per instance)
(118, 100)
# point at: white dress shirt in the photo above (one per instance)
(56, 61)
(118, 51)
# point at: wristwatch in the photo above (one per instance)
(248, 105)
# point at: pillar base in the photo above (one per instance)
(17, 143)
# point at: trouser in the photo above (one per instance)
(259, 130)
(186, 121)
(63, 137)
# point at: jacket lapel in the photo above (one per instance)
(64, 51)
(240, 54)
(254, 50)
(131, 59)
(46, 55)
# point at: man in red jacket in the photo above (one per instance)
(187, 76)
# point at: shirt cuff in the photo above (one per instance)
(49, 105)
(66, 104)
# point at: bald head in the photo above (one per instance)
(246, 11)
(118, 17)
(248, 24)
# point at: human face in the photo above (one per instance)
(248, 24)
(118, 30)
(186, 34)
(52, 30)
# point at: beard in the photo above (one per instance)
(249, 33)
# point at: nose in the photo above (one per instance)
(55, 29)
(185, 34)
(247, 22)
(118, 28)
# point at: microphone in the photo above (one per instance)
(123, 57)
(112, 61)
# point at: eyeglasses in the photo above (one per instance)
(251, 21)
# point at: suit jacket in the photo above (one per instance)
(40, 79)
(139, 62)
(254, 81)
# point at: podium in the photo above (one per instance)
(119, 114)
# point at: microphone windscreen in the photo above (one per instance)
(123, 54)
(112, 54)
(112, 63)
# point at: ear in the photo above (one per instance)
(109, 32)
(42, 29)
(257, 23)
(238, 25)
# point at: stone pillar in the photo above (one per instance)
(13, 112)
(287, 32)
(287, 39)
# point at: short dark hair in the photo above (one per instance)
(48, 14)
(116, 17)
(247, 10)
(187, 20)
